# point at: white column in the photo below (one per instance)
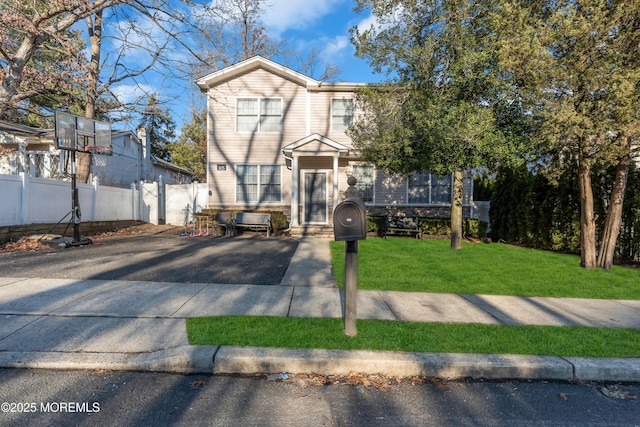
(335, 180)
(295, 216)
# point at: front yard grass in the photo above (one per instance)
(403, 264)
(293, 332)
(411, 265)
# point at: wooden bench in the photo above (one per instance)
(401, 225)
(253, 221)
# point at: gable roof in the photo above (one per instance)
(315, 137)
(259, 62)
(254, 63)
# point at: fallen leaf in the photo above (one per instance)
(198, 383)
(617, 392)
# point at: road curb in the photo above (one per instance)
(248, 360)
(606, 369)
(251, 360)
(190, 359)
(184, 359)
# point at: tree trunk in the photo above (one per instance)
(587, 217)
(94, 24)
(456, 210)
(83, 162)
(613, 221)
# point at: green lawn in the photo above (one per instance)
(404, 264)
(292, 332)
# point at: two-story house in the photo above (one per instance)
(277, 141)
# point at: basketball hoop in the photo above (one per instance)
(96, 149)
(80, 134)
(75, 133)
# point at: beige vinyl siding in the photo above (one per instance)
(230, 148)
(321, 115)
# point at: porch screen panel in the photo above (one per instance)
(315, 189)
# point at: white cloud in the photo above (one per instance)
(335, 47)
(367, 23)
(376, 23)
(132, 93)
(295, 14)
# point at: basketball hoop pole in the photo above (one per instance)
(75, 207)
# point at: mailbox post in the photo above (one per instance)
(351, 288)
(350, 225)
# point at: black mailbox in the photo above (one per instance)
(350, 220)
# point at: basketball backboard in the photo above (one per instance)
(78, 133)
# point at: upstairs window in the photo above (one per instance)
(341, 114)
(259, 115)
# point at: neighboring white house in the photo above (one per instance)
(31, 150)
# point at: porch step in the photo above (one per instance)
(312, 230)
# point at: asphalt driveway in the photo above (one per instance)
(167, 257)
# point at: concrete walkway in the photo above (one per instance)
(139, 325)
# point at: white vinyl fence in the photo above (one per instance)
(27, 200)
(183, 200)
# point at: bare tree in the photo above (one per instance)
(38, 25)
(41, 22)
(232, 30)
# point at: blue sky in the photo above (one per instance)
(323, 24)
(320, 24)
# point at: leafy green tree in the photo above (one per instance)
(161, 129)
(436, 114)
(190, 150)
(575, 65)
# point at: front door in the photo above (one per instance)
(315, 197)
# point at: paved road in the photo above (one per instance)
(104, 398)
(248, 259)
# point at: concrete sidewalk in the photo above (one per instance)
(139, 325)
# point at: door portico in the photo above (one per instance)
(308, 195)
